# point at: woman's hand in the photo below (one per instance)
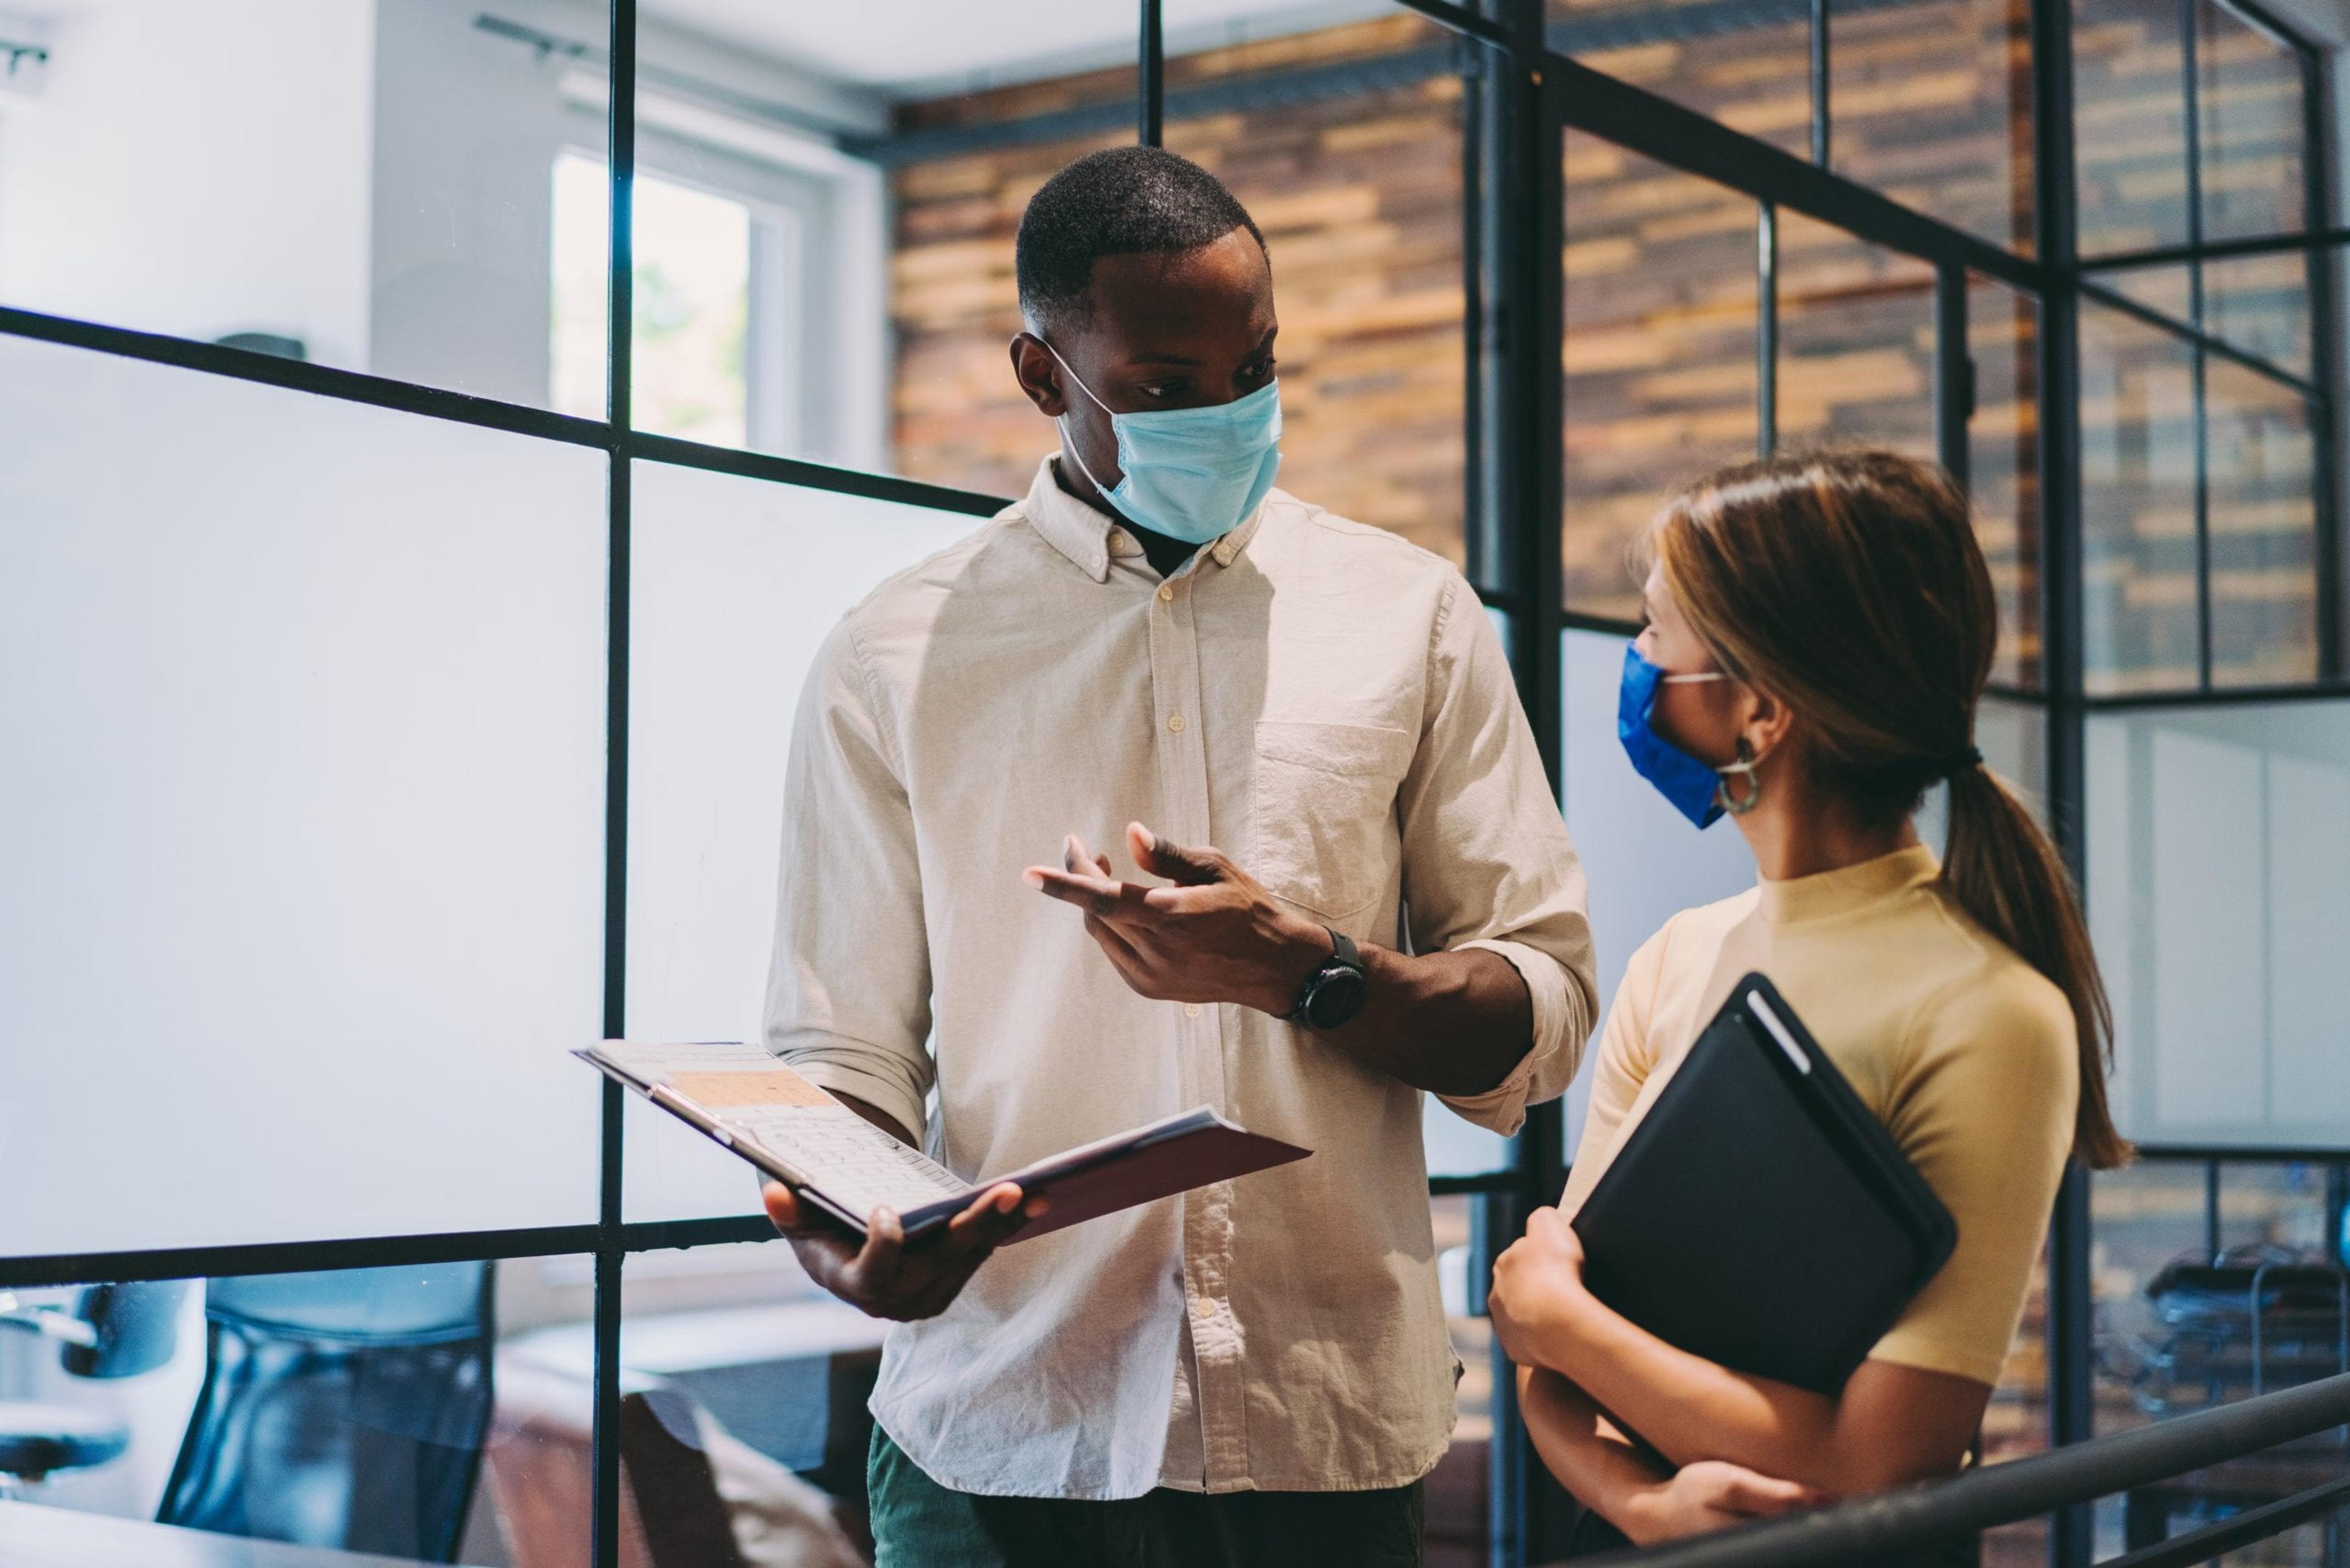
(1537, 1285)
(1707, 1496)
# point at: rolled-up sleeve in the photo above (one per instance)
(848, 991)
(1487, 861)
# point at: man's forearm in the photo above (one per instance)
(1451, 1023)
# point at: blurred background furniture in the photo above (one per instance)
(344, 1409)
(111, 1331)
(2244, 1322)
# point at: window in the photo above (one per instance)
(692, 299)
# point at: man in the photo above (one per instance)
(1257, 1371)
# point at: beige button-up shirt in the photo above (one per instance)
(1329, 705)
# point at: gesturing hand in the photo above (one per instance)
(886, 1276)
(1215, 936)
(1537, 1283)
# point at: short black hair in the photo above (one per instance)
(1122, 201)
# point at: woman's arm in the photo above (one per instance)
(1631, 1488)
(1891, 1424)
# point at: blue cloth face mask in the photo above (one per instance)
(1694, 788)
(1193, 474)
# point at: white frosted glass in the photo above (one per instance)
(735, 583)
(303, 708)
(2218, 881)
(2309, 885)
(2208, 901)
(1644, 862)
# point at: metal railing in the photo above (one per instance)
(1891, 1525)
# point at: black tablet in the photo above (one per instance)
(1759, 1215)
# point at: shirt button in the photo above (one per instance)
(1202, 1308)
(1166, 591)
(1191, 1010)
(1175, 723)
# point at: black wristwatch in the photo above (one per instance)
(1335, 991)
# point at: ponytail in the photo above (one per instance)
(2003, 871)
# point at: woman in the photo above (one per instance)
(1819, 630)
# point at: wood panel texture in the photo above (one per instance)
(1361, 197)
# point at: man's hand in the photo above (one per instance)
(1215, 936)
(886, 1276)
(1537, 1283)
(1707, 1496)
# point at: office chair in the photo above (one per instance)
(345, 1409)
(111, 1331)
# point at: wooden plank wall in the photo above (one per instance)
(1360, 199)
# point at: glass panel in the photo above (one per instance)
(1855, 342)
(1747, 66)
(755, 1381)
(2260, 305)
(2129, 124)
(2015, 1424)
(2137, 505)
(319, 697)
(1644, 862)
(2251, 130)
(2222, 883)
(2004, 466)
(2263, 487)
(2169, 1343)
(1359, 192)
(736, 583)
(1457, 1521)
(824, 222)
(2169, 290)
(1659, 354)
(350, 1411)
(956, 415)
(1931, 102)
(692, 304)
(372, 192)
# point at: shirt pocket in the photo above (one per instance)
(1325, 812)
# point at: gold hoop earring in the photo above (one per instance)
(1739, 806)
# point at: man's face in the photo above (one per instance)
(1184, 330)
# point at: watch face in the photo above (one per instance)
(1338, 997)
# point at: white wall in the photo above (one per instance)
(196, 168)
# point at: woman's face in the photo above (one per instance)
(1700, 717)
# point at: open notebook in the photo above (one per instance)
(743, 1098)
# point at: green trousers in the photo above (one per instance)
(918, 1523)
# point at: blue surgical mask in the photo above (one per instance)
(1193, 474)
(1694, 788)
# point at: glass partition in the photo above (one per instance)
(1343, 140)
(2222, 883)
(1931, 102)
(305, 895)
(359, 185)
(1658, 357)
(735, 584)
(1855, 342)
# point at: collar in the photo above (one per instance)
(1848, 888)
(1090, 538)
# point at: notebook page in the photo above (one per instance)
(760, 1100)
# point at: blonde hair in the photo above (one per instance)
(1850, 586)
